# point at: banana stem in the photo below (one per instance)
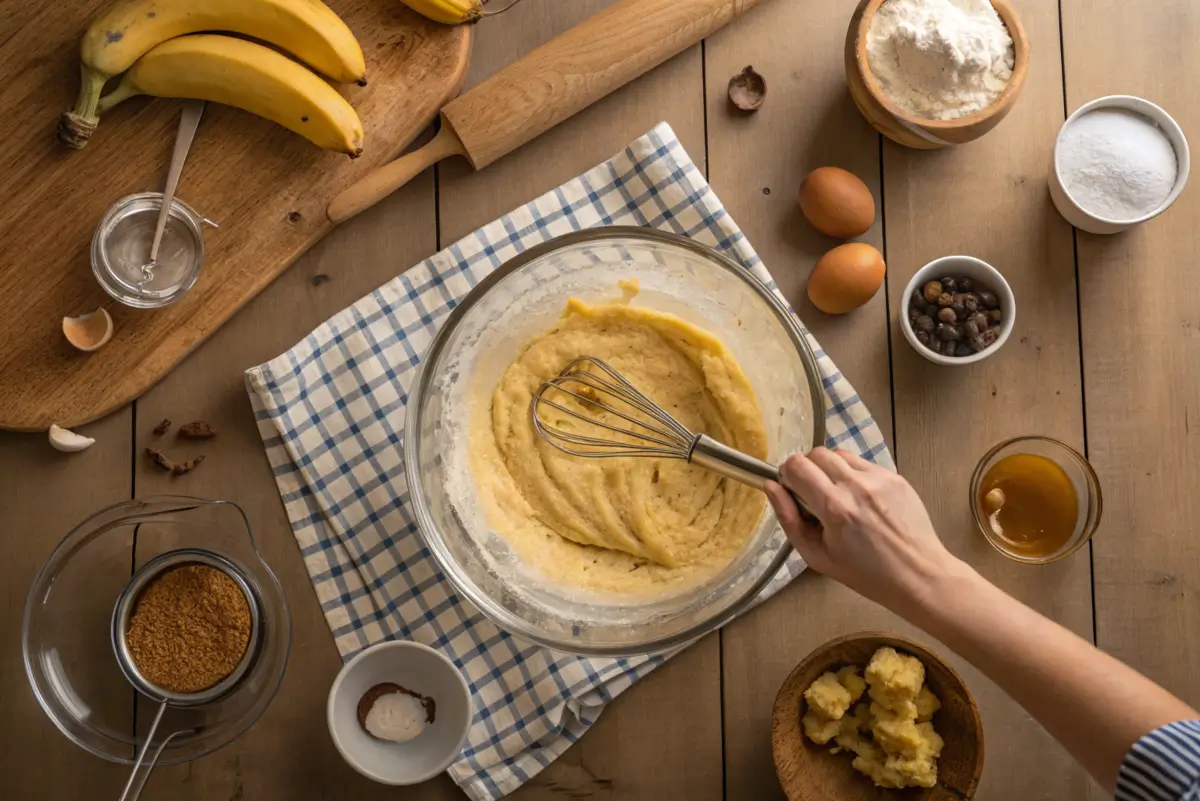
(77, 125)
(91, 82)
(511, 3)
(123, 92)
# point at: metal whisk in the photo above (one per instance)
(648, 429)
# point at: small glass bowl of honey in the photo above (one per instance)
(1036, 500)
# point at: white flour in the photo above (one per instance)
(940, 59)
(1116, 164)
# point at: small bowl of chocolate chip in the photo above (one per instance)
(957, 310)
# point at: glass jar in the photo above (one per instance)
(121, 251)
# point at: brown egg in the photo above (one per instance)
(846, 278)
(837, 202)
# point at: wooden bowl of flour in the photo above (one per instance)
(917, 132)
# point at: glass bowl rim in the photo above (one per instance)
(186, 503)
(105, 274)
(1093, 485)
(494, 611)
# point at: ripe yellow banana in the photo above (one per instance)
(307, 29)
(450, 12)
(249, 76)
(454, 12)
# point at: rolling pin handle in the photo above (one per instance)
(378, 184)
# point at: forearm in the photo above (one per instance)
(1093, 704)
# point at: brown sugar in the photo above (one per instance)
(189, 629)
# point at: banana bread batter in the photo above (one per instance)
(621, 524)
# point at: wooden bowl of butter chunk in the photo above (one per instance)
(927, 131)
(872, 716)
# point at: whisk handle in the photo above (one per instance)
(741, 467)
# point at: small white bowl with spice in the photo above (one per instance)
(1118, 161)
(399, 712)
(969, 289)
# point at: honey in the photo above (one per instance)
(1030, 504)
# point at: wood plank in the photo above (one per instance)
(756, 164)
(918, 188)
(265, 185)
(1141, 350)
(288, 754)
(662, 738)
(43, 494)
(988, 199)
(672, 92)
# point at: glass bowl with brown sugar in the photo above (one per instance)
(169, 594)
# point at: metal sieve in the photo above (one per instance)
(123, 612)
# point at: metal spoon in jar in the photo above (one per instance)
(189, 121)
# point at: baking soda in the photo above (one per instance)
(1116, 164)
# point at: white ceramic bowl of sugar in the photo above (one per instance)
(415, 667)
(1094, 223)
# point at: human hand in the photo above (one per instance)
(876, 535)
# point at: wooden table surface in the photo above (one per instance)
(1106, 356)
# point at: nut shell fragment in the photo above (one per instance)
(87, 332)
(747, 90)
(171, 466)
(197, 430)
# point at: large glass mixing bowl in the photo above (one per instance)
(67, 631)
(483, 335)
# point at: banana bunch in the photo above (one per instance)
(147, 41)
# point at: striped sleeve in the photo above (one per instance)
(1163, 766)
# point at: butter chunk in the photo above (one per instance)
(828, 697)
(895, 679)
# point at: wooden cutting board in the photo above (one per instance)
(266, 187)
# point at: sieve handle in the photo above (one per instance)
(138, 777)
(706, 452)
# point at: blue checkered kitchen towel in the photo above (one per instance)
(331, 414)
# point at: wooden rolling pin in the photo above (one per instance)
(558, 79)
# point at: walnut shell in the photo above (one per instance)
(747, 90)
